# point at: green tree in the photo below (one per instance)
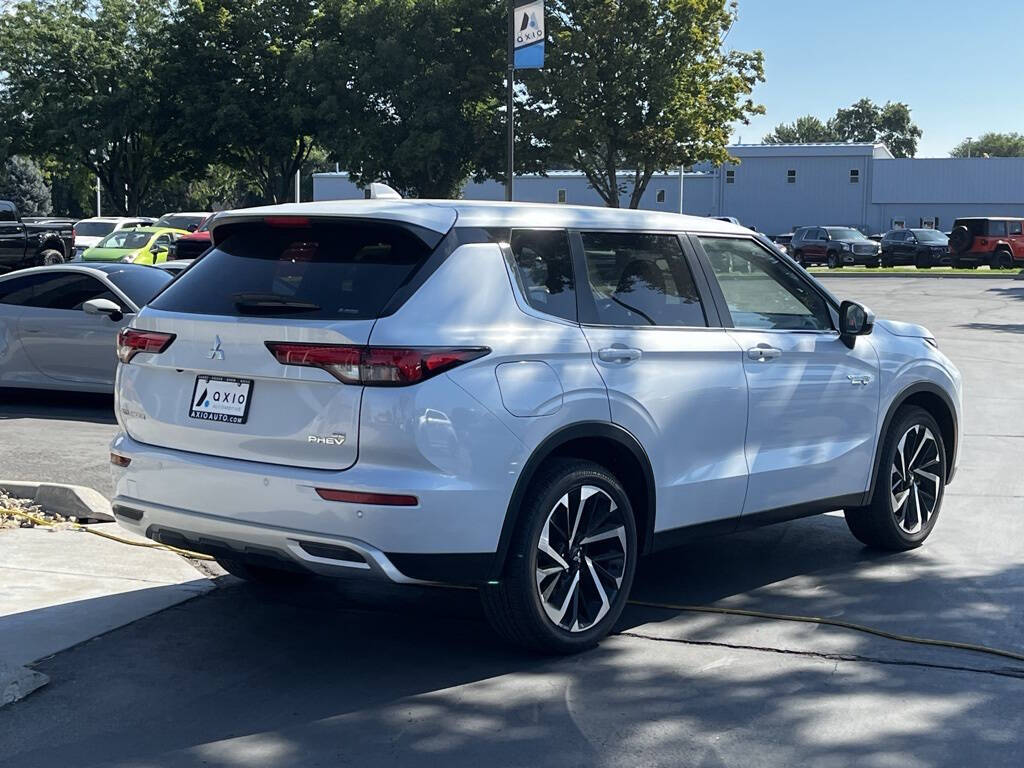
(991, 144)
(863, 121)
(805, 130)
(84, 81)
(413, 90)
(643, 85)
(250, 67)
(22, 183)
(890, 124)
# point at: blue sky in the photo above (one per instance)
(957, 65)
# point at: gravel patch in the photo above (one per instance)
(10, 503)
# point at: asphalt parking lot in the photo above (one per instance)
(335, 675)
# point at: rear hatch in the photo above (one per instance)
(219, 389)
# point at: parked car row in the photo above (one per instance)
(994, 241)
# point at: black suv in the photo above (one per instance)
(922, 248)
(835, 246)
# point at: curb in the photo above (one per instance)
(18, 682)
(63, 499)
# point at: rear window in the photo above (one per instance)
(974, 226)
(326, 271)
(94, 228)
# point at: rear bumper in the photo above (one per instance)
(271, 513)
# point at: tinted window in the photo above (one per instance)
(140, 284)
(543, 266)
(19, 290)
(997, 228)
(68, 290)
(640, 279)
(93, 228)
(1014, 227)
(761, 291)
(845, 233)
(325, 271)
(180, 221)
(932, 236)
(7, 212)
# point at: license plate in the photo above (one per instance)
(220, 398)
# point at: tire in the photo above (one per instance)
(49, 257)
(259, 574)
(833, 261)
(580, 609)
(923, 261)
(902, 513)
(1002, 259)
(960, 239)
(799, 258)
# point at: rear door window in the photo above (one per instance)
(68, 291)
(323, 271)
(543, 267)
(20, 290)
(639, 279)
(997, 229)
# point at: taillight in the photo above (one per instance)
(375, 366)
(131, 341)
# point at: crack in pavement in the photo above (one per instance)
(1017, 672)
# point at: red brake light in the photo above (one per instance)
(357, 497)
(375, 366)
(131, 341)
(292, 222)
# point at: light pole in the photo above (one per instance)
(969, 140)
(682, 171)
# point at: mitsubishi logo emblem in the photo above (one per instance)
(216, 353)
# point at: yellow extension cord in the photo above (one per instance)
(637, 603)
(147, 544)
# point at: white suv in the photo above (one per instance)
(520, 397)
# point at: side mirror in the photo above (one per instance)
(103, 307)
(854, 320)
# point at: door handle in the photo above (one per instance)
(763, 354)
(619, 354)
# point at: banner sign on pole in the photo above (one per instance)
(529, 35)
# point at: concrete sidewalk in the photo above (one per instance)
(59, 588)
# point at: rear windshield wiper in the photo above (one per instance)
(272, 302)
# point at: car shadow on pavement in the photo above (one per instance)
(999, 327)
(340, 673)
(61, 406)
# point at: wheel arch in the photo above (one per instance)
(939, 404)
(52, 242)
(604, 443)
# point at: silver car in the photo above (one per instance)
(59, 324)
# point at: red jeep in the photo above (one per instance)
(994, 240)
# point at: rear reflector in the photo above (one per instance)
(374, 366)
(358, 497)
(131, 341)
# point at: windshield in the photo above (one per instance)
(181, 220)
(844, 233)
(140, 284)
(931, 236)
(125, 239)
(93, 228)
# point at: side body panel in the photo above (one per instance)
(813, 410)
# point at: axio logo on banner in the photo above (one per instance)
(529, 35)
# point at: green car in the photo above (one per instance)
(142, 245)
